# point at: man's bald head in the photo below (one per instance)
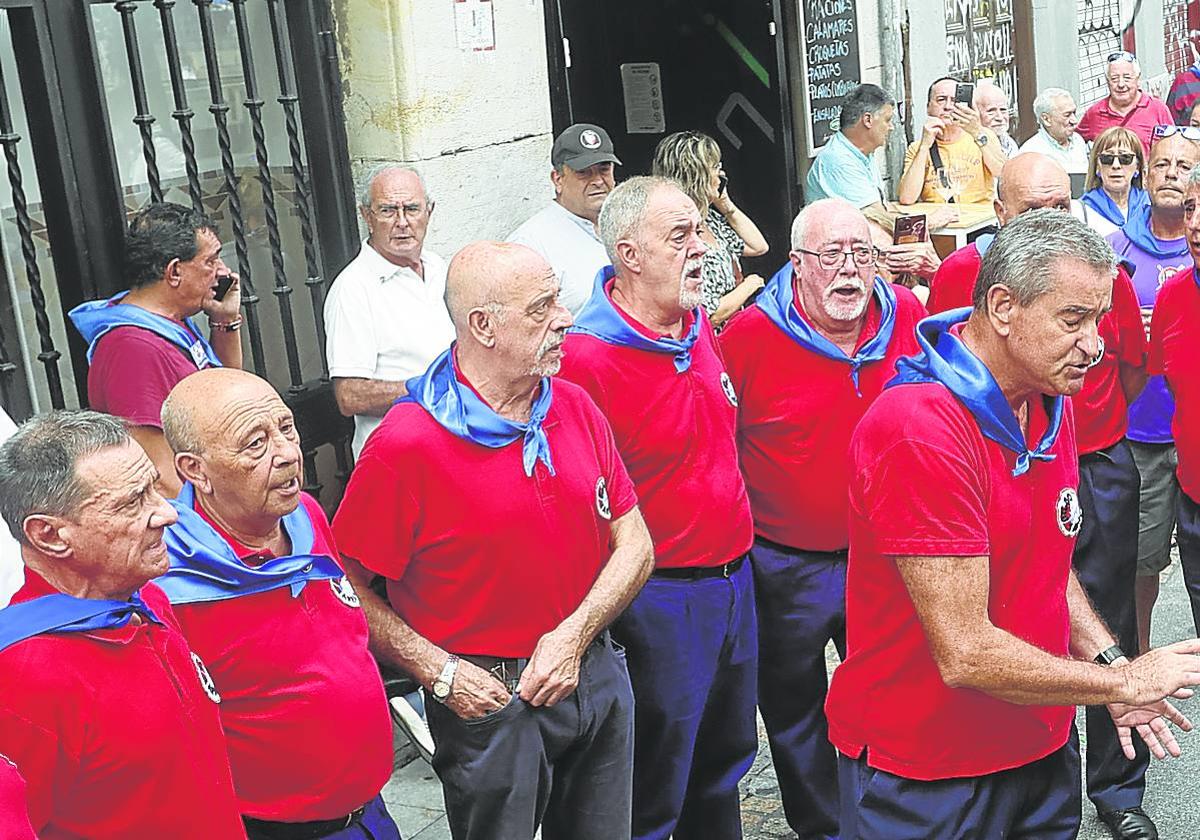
(484, 275)
(194, 410)
(1030, 181)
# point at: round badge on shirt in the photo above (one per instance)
(206, 680)
(344, 591)
(1069, 513)
(602, 504)
(727, 387)
(1099, 352)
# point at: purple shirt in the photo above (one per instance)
(1150, 414)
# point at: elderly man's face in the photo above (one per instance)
(198, 276)
(992, 105)
(839, 293)
(670, 250)
(1191, 220)
(534, 325)
(251, 453)
(1123, 82)
(1056, 337)
(116, 535)
(881, 124)
(1060, 121)
(1171, 160)
(398, 217)
(583, 192)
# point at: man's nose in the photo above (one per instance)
(162, 515)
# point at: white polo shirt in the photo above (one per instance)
(1073, 156)
(571, 246)
(384, 322)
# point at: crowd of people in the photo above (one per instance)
(612, 495)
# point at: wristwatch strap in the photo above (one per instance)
(1109, 656)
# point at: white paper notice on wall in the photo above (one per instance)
(474, 25)
(642, 84)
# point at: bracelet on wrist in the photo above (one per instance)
(226, 326)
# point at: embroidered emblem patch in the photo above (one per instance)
(589, 139)
(727, 387)
(344, 590)
(602, 506)
(206, 680)
(1069, 513)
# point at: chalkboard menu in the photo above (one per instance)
(831, 42)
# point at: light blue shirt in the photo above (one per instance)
(841, 170)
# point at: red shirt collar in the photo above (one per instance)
(688, 318)
(36, 586)
(249, 556)
(1143, 101)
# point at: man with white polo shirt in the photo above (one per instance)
(564, 232)
(385, 319)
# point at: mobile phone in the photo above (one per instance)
(722, 183)
(224, 283)
(964, 93)
(909, 229)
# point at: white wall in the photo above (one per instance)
(477, 123)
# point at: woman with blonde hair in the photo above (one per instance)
(693, 160)
(1114, 180)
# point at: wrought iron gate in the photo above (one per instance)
(1099, 36)
(102, 109)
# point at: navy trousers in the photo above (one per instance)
(1188, 534)
(801, 600)
(1038, 801)
(375, 824)
(566, 767)
(1105, 562)
(692, 648)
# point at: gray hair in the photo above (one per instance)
(368, 178)
(38, 463)
(1137, 67)
(864, 99)
(1194, 176)
(1043, 103)
(178, 426)
(1029, 245)
(809, 212)
(624, 210)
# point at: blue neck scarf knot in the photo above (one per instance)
(459, 411)
(59, 613)
(946, 360)
(1137, 230)
(96, 318)
(1100, 201)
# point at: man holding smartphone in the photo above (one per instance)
(143, 341)
(956, 159)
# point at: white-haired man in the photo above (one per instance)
(1054, 109)
(991, 102)
(1126, 105)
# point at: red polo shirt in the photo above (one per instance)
(305, 715)
(1149, 112)
(131, 373)
(1175, 353)
(796, 411)
(14, 812)
(926, 482)
(114, 733)
(481, 558)
(953, 284)
(1101, 410)
(677, 435)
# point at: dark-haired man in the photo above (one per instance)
(143, 341)
(845, 168)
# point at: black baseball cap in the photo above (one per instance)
(582, 145)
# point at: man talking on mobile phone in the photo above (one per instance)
(142, 341)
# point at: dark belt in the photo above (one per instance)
(839, 554)
(508, 669)
(302, 830)
(701, 572)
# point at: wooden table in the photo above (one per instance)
(971, 219)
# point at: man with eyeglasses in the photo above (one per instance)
(385, 317)
(1126, 104)
(564, 232)
(806, 362)
(992, 104)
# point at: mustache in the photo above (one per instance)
(551, 342)
(856, 285)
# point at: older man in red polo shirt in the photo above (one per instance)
(1126, 105)
(112, 720)
(261, 597)
(962, 608)
(495, 503)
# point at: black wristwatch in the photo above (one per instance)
(1109, 656)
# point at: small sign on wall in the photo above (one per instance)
(642, 85)
(474, 25)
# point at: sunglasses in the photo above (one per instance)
(1121, 55)
(1189, 132)
(1107, 158)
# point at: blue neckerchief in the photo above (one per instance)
(96, 318)
(983, 242)
(204, 567)
(1137, 229)
(464, 415)
(1100, 201)
(778, 303)
(59, 613)
(600, 319)
(945, 359)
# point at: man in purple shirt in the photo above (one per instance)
(1153, 241)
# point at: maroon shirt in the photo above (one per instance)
(132, 372)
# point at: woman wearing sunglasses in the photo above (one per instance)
(1114, 180)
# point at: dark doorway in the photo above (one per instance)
(719, 69)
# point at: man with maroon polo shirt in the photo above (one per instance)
(962, 609)
(806, 362)
(112, 720)
(261, 598)
(1126, 104)
(644, 350)
(495, 503)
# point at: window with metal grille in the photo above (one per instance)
(1099, 23)
(1175, 35)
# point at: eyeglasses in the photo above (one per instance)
(862, 255)
(1121, 55)
(1188, 131)
(388, 212)
(1107, 158)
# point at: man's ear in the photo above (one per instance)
(1000, 305)
(44, 533)
(628, 254)
(556, 180)
(191, 468)
(482, 325)
(171, 273)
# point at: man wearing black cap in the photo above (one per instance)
(564, 232)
